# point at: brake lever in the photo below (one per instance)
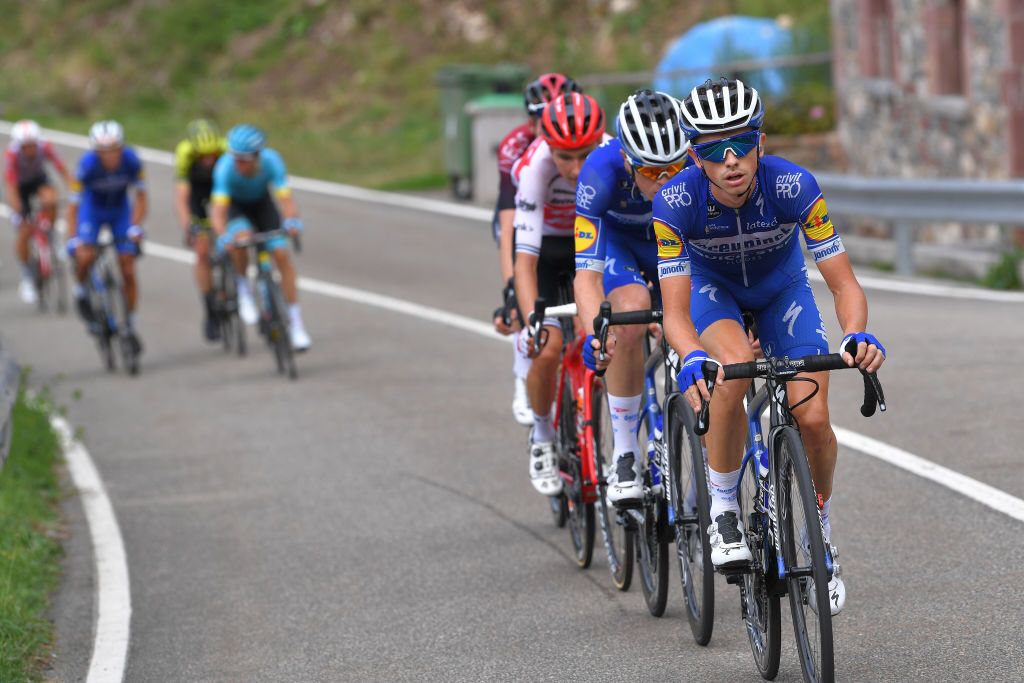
(710, 371)
(601, 328)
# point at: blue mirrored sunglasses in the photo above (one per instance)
(741, 145)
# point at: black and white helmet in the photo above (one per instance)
(721, 106)
(648, 125)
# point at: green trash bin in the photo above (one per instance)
(460, 83)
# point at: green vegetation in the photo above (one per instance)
(346, 90)
(1005, 274)
(29, 549)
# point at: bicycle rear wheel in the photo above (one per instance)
(687, 478)
(652, 538)
(129, 357)
(581, 514)
(618, 538)
(803, 549)
(759, 597)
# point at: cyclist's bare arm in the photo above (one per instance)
(851, 305)
(506, 234)
(588, 288)
(182, 193)
(526, 281)
(141, 207)
(288, 208)
(219, 215)
(13, 198)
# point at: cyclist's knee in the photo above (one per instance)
(629, 336)
(814, 421)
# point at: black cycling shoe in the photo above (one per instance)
(85, 310)
(136, 343)
(211, 329)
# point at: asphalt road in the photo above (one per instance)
(374, 520)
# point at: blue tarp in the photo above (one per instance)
(724, 40)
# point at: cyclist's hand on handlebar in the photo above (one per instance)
(293, 225)
(691, 377)
(499, 322)
(870, 352)
(224, 241)
(592, 352)
(136, 233)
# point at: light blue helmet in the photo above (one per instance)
(246, 139)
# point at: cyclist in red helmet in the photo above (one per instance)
(571, 127)
(536, 95)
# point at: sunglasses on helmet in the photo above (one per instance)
(656, 172)
(741, 145)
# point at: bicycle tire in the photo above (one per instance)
(799, 510)
(652, 540)
(618, 539)
(282, 342)
(559, 510)
(581, 514)
(686, 471)
(759, 600)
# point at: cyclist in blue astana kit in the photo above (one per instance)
(727, 242)
(242, 180)
(98, 199)
(617, 256)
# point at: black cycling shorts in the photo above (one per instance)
(261, 214)
(30, 188)
(556, 268)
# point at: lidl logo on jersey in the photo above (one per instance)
(817, 225)
(669, 244)
(586, 234)
(787, 186)
(676, 196)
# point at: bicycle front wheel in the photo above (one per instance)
(618, 539)
(653, 534)
(803, 549)
(581, 514)
(279, 332)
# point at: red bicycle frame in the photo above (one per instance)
(40, 236)
(581, 382)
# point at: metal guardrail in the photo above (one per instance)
(909, 203)
(8, 394)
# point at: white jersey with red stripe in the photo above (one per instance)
(545, 201)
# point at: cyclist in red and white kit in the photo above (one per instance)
(536, 95)
(572, 126)
(25, 174)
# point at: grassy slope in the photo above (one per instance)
(346, 89)
(29, 552)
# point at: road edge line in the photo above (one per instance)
(113, 589)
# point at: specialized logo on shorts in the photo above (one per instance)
(817, 225)
(676, 196)
(710, 290)
(787, 186)
(586, 234)
(669, 244)
(791, 316)
(585, 195)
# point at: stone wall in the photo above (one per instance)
(897, 126)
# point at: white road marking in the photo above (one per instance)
(444, 208)
(960, 483)
(113, 590)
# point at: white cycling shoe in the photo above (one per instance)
(729, 547)
(836, 589)
(27, 291)
(247, 308)
(299, 337)
(624, 484)
(544, 470)
(521, 404)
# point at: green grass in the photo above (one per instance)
(29, 550)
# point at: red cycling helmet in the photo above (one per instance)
(546, 88)
(572, 121)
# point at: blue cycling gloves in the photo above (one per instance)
(859, 337)
(589, 353)
(691, 372)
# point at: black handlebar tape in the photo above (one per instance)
(829, 361)
(644, 317)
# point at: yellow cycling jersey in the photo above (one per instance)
(185, 157)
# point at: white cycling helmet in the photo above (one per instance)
(721, 106)
(106, 135)
(648, 126)
(25, 132)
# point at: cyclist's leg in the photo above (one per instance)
(87, 232)
(557, 257)
(126, 253)
(47, 203)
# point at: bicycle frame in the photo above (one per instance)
(581, 382)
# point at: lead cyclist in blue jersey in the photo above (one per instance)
(617, 256)
(242, 181)
(727, 242)
(98, 199)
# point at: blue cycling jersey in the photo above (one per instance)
(230, 185)
(606, 201)
(99, 188)
(742, 246)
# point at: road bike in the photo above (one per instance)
(274, 322)
(675, 503)
(49, 272)
(225, 304)
(781, 512)
(574, 427)
(110, 310)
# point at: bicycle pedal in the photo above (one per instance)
(734, 573)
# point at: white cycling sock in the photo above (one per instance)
(826, 523)
(79, 290)
(543, 428)
(520, 361)
(242, 285)
(722, 487)
(625, 412)
(295, 314)
(26, 271)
